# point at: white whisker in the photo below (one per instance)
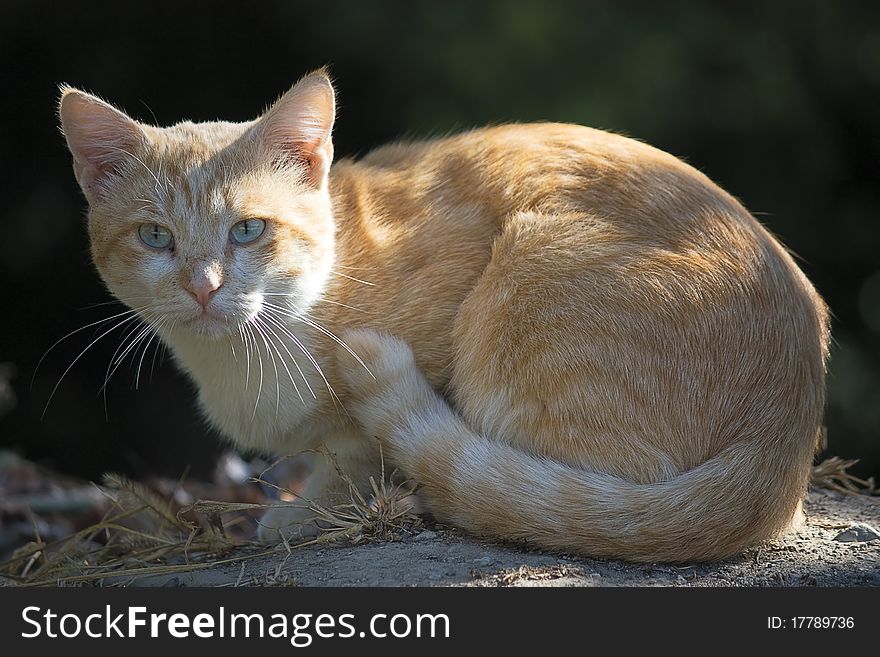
(357, 280)
(300, 316)
(141, 335)
(247, 354)
(81, 354)
(295, 364)
(281, 358)
(154, 334)
(323, 300)
(258, 327)
(82, 328)
(160, 344)
(249, 328)
(232, 348)
(307, 354)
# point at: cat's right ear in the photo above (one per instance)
(297, 128)
(101, 139)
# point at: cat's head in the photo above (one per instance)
(201, 225)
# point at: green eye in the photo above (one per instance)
(245, 232)
(155, 236)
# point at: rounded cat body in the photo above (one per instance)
(567, 337)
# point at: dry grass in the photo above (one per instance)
(384, 517)
(142, 534)
(832, 474)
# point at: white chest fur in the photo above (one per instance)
(258, 388)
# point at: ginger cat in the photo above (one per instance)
(566, 337)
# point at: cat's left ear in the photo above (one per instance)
(102, 139)
(297, 128)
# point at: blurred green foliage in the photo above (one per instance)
(778, 102)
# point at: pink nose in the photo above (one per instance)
(203, 288)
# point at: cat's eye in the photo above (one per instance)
(245, 232)
(155, 236)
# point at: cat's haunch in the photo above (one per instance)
(566, 337)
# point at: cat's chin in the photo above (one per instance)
(210, 326)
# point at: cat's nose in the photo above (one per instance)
(203, 286)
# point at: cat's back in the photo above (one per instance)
(546, 167)
(506, 143)
(562, 193)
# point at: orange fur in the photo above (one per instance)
(573, 339)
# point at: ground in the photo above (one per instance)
(445, 557)
(55, 530)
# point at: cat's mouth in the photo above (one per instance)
(217, 319)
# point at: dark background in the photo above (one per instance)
(779, 102)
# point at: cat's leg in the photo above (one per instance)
(350, 460)
(390, 393)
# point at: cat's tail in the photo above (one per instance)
(713, 511)
(735, 499)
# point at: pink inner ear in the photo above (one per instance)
(289, 151)
(99, 137)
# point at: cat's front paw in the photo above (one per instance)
(382, 379)
(283, 523)
(368, 358)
